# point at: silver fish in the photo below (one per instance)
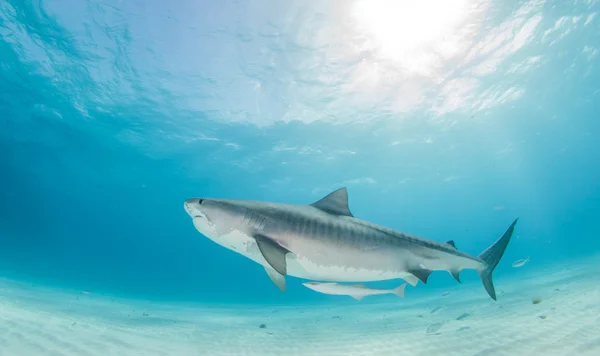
(356, 291)
(323, 241)
(520, 263)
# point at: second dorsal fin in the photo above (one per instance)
(335, 203)
(451, 243)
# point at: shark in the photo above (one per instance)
(323, 241)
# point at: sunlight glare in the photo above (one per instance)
(414, 33)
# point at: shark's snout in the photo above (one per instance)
(188, 206)
(194, 207)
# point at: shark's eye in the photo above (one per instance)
(200, 201)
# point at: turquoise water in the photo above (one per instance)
(446, 120)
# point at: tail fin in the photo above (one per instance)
(399, 291)
(491, 256)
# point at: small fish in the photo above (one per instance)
(433, 328)
(436, 309)
(520, 263)
(463, 316)
(356, 291)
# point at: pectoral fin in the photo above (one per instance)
(273, 253)
(277, 278)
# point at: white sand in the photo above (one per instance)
(42, 321)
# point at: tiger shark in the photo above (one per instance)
(324, 241)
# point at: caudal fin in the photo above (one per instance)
(399, 291)
(491, 256)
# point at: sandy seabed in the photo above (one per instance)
(464, 321)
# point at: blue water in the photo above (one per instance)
(112, 113)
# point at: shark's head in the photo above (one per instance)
(214, 216)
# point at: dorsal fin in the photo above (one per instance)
(335, 203)
(451, 243)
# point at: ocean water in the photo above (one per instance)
(443, 119)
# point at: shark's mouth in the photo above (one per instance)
(199, 215)
(202, 224)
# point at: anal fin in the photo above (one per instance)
(421, 273)
(273, 253)
(357, 297)
(455, 274)
(277, 278)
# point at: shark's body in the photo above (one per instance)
(324, 241)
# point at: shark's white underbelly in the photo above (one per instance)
(299, 267)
